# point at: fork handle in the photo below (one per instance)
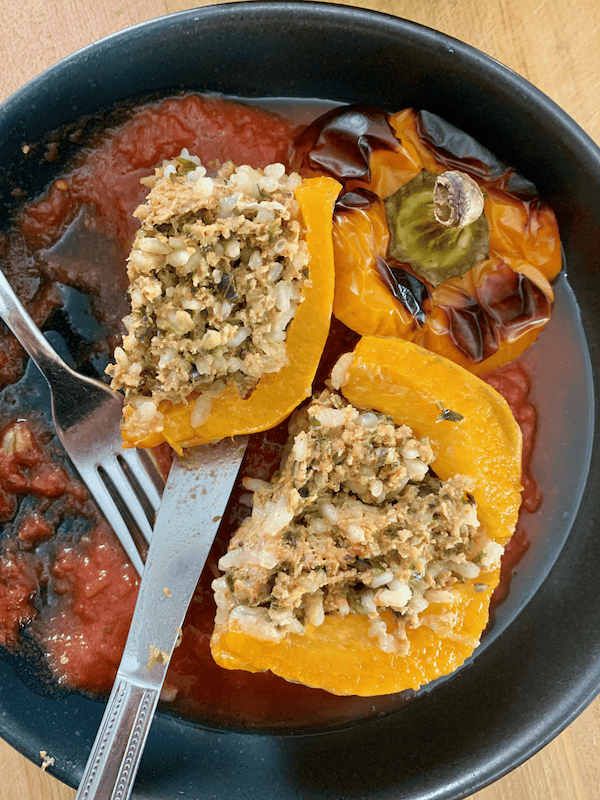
(115, 755)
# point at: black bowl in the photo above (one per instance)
(540, 666)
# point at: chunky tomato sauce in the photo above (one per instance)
(63, 576)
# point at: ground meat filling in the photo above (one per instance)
(216, 274)
(355, 520)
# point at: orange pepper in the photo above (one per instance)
(409, 383)
(524, 240)
(277, 394)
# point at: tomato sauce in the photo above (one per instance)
(37, 494)
(63, 574)
(108, 176)
(83, 631)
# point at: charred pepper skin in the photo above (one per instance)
(482, 319)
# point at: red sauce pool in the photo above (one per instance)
(76, 593)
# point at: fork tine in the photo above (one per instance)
(127, 494)
(86, 417)
(143, 469)
(113, 514)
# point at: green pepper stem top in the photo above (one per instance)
(437, 225)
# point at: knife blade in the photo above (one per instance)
(196, 494)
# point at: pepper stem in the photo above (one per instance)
(457, 199)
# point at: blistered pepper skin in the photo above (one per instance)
(277, 394)
(482, 320)
(413, 386)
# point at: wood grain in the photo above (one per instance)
(552, 43)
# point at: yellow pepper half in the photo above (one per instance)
(417, 388)
(277, 394)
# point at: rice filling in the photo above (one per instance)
(355, 520)
(216, 274)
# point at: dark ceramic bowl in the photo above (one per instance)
(540, 665)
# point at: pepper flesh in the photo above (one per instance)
(411, 385)
(481, 320)
(277, 394)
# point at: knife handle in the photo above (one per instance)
(119, 744)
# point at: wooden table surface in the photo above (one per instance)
(555, 44)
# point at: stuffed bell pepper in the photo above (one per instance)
(231, 288)
(435, 240)
(368, 562)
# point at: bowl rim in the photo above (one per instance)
(556, 717)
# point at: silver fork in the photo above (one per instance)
(87, 414)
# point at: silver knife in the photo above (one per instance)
(195, 497)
